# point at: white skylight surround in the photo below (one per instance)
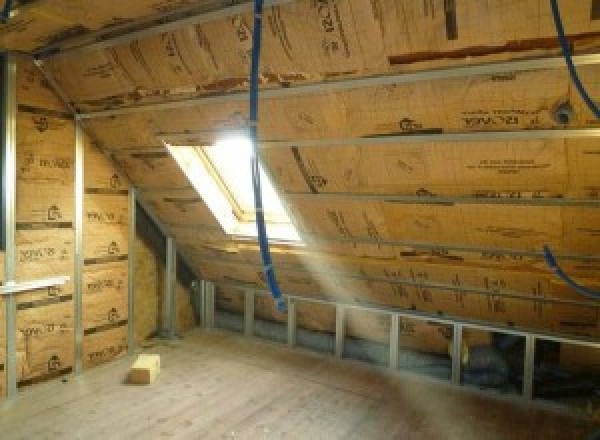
(222, 175)
(231, 159)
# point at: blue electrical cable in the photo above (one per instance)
(263, 239)
(553, 265)
(566, 51)
(6, 11)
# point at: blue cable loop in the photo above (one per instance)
(261, 227)
(566, 51)
(6, 11)
(554, 267)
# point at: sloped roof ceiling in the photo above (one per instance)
(485, 253)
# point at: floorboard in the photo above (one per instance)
(217, 385)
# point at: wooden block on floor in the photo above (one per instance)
(145, 369)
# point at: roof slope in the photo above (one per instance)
(452, 227)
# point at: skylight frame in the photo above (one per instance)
(208, 183)
(240, 213)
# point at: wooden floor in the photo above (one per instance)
(216, 385)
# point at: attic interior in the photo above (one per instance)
(300, 219)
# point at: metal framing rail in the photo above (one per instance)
(249, 313)
(291, 322)
(131, 272)
(394, 341)
(340, 330)
(523, 135)
(442, 248)
(78, 256)
(169, 298)
(355, 83)
(316, 239)
(458, 325)
(9, 152)
(208, 304)
(446, 288)
(189, 17)
(385, 139)
(453, 200)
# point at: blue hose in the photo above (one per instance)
(263, 239)
(548, 256)
(553, 265)
(6, 11)
(566, 51)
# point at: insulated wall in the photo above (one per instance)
(149, 294)
(47, 192)
(46, 236)
(105, 255)
(419, 222)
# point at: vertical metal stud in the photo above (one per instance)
(249, 312)
(340, 330)
(203, 303)
(173, 306)
(131, 274)
(457, 353)
(209, 304)
(529, 366)
(9, 151)
(291, 322)
(394, 341)
(169, 311)
(78, 258)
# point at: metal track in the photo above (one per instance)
(355, 83)
(437, 249)
(194, 15)
(446, 288)
(9, 177)
(385, 139)
(131, 253)
(440, 249)
(519, 135)
(458, 325)
(449, 200)
(79, 257)
(169, 311)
